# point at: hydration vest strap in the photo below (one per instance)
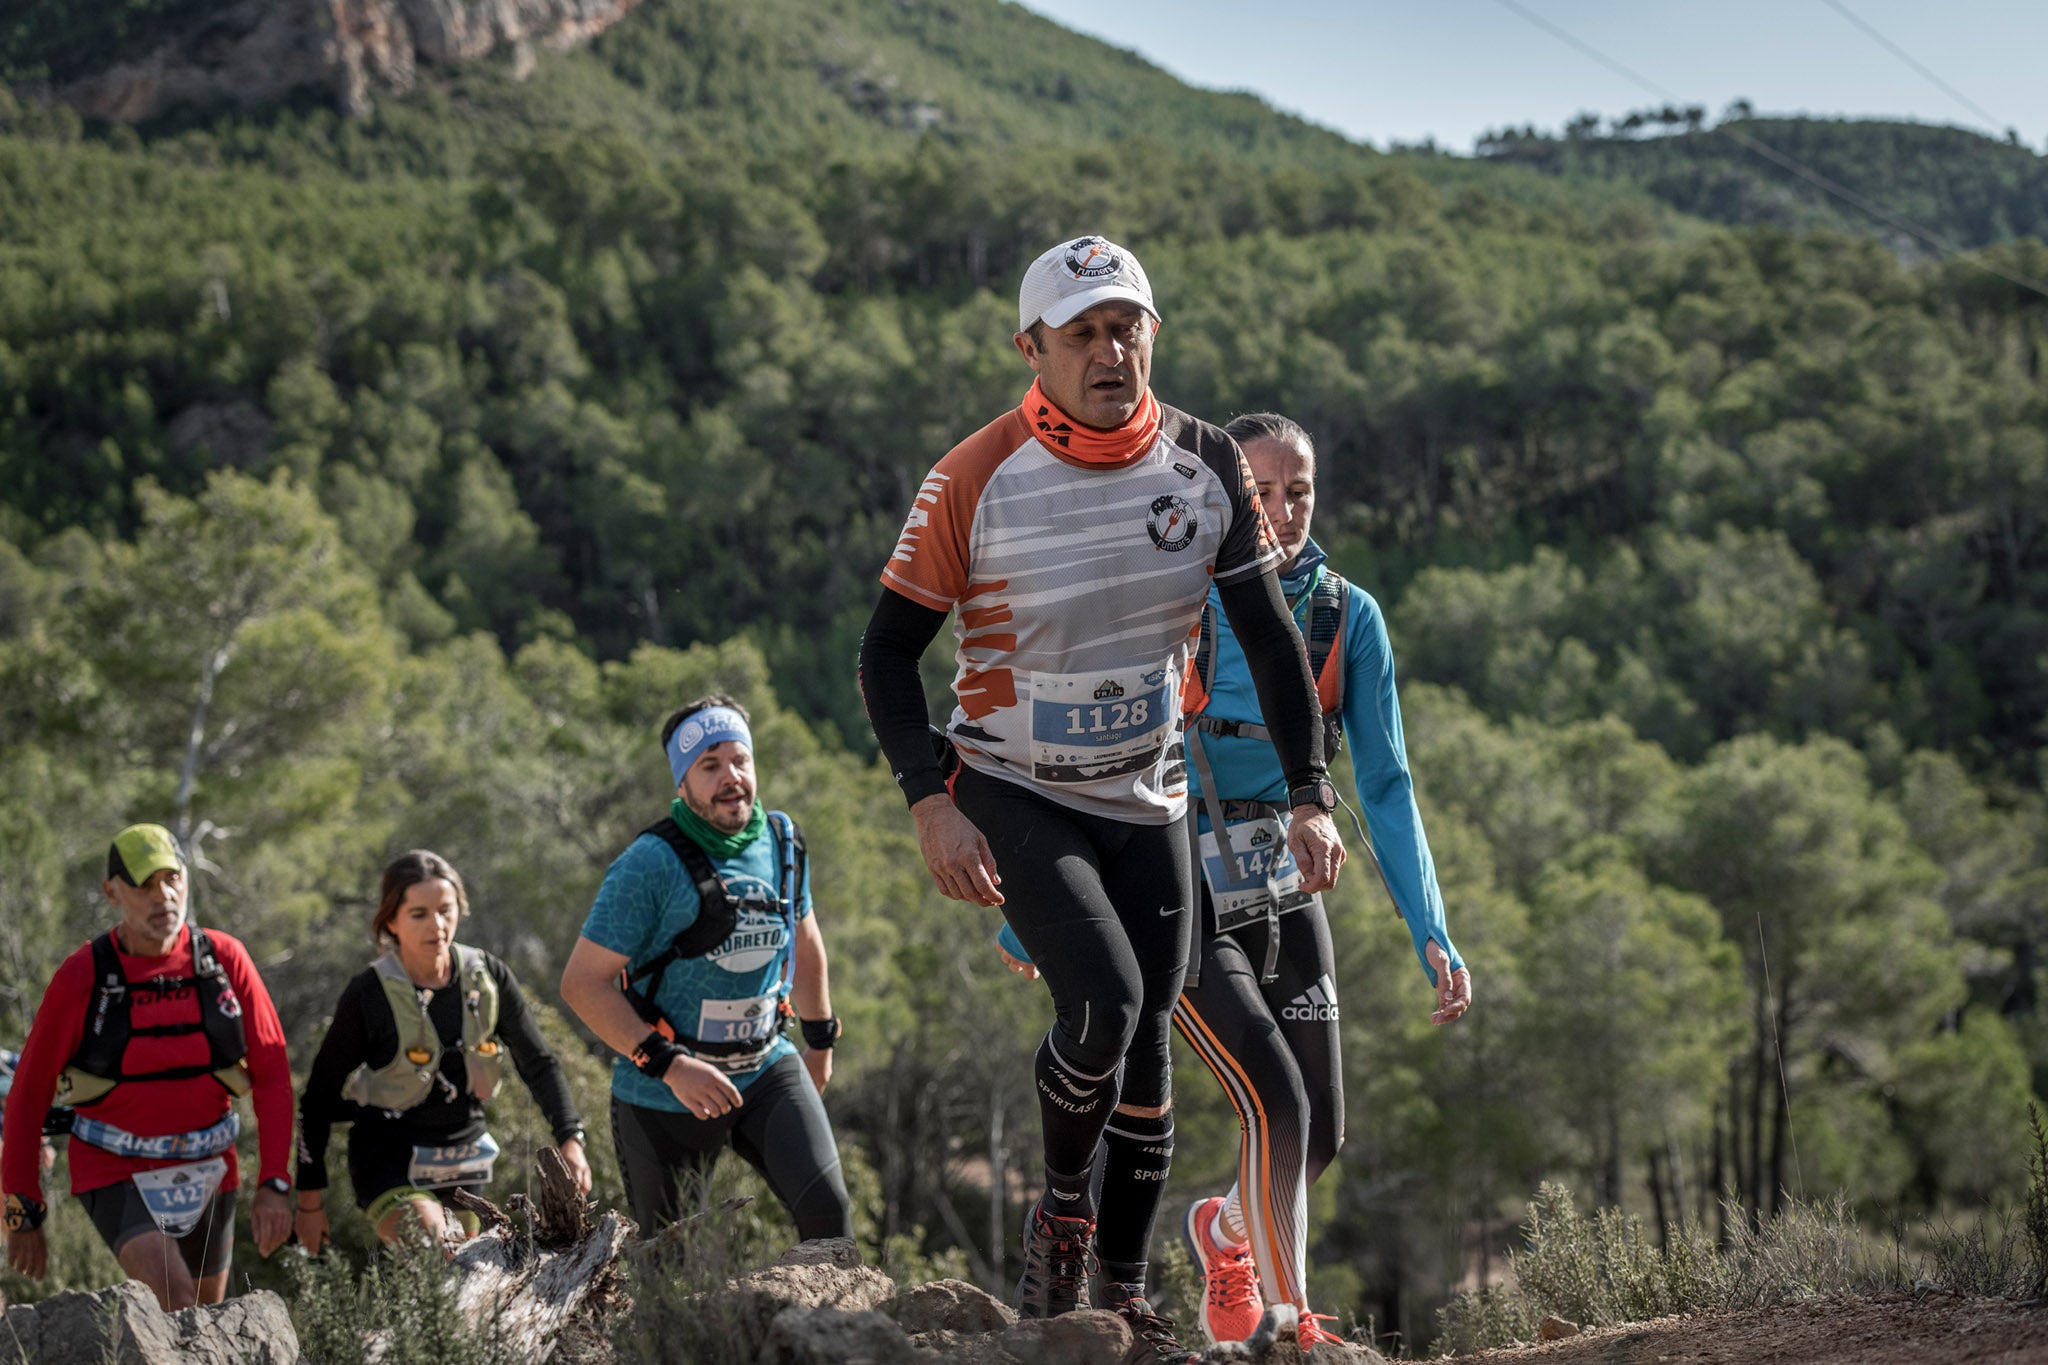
(106, 1021)
(1212, 806)
(716, 915)
(1329, 613)
(795, 868)
(204, 963)
(192, 1146)
(1234, 729)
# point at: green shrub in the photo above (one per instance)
(1602, 1270)
(403, 1300)
(2000, 1253)
(2037, 1204)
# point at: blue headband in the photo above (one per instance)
(712, 725)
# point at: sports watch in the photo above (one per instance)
(1318, 793)
(277, 1184)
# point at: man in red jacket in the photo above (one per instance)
(149, 1032)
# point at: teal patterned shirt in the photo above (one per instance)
(646, 900)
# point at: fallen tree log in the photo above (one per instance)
(549, 1292)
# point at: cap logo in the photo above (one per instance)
(1091, 258)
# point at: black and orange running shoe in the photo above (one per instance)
(1155, 1341)
(1059, 1255)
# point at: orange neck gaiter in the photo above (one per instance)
(1065, 437)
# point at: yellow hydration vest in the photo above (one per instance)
(408, 1077)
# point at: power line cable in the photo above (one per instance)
(1778, 1047)
(1778, 158)
(1634, 77)
(1910, 60)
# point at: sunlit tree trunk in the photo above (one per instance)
(195, 744)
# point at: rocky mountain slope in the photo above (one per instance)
(260, 51)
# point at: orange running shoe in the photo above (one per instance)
(1231, 1305)
(1311, 1333)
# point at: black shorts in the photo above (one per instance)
(380, 1161)
(118, 1212)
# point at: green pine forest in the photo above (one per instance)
(377, 483)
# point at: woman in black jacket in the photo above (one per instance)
(415, 1052)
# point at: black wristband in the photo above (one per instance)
(277, 1184)
(654, 1054)
(820, 1034)
(25, 1214)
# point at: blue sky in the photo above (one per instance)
(1383, 71)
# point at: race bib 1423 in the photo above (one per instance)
(176, 1196)
(1257, 873)
(456, 1163)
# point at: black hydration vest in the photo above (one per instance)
(717, 916)
(101, 1062)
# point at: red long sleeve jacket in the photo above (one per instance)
(145, 1107)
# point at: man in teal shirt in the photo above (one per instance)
(699, 948)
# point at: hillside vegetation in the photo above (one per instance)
(458, 444)
(1963, 188)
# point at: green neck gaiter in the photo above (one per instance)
(709, 839)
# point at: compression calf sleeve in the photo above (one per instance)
(1072, 1107)
(1137, 1153)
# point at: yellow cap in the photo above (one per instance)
(141, 850)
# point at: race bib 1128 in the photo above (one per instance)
(1086, 727)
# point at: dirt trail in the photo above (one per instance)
(1940, 1329)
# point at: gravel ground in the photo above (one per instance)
(1938, 1329)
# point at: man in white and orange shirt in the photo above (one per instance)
(149, 1032)
(1075, 540)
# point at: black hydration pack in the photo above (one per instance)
(717, 916)
(101, 1062)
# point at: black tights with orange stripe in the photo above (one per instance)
(1275, 1050)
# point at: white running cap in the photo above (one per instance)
(1075, 276)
